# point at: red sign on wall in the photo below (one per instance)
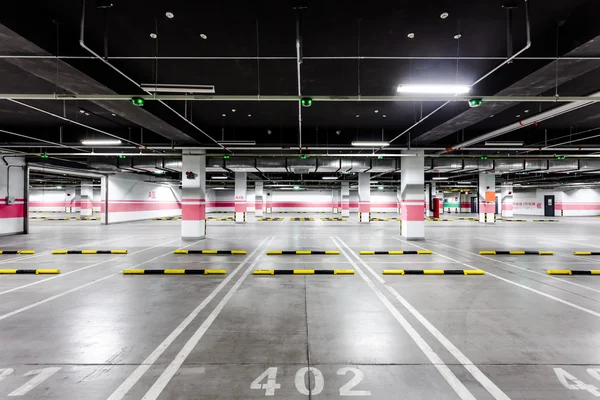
(151, 195)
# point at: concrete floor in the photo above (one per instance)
(92, 333)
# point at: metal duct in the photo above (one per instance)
(441, 166)
(589, 166)
(563, 165)
(360, 165)
(105, 164)
(328, 165)
(384, 165)
(241, 164)
(301, 165)
(536, 165)
(275, 164)
(148, 164)
(507, 166)
(172, 165)
(214, 164)
(477, 165)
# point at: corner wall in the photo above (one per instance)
(568, 203)
(12, 216)
(130, 198)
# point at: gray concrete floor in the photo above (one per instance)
(92, 333)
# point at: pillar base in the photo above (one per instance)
(345, 213)
(258, 213)
(415, 239)
(193, 229)
(240, 217)
(193, 237)
(507, 214)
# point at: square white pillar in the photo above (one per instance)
(193, 185)
(412, 183)
(345, 199)
(506, 200)
(258, 199)
(87, 198)
(364, 197)
(335, 200)
(240, 197)
(487, 198)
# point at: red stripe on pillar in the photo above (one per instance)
(364, 206)
(412, 210)
(488, 208)
(12, 211)
(193, 210)
(240, 206)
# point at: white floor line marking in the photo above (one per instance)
(82, 269)
(136, 375)
(521, 268)
(48, 299)
(168, 374)
(436, 360)
(490, 386)
(565, 302)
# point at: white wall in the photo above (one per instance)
(130, 198)
(570, 202)
(12, 217)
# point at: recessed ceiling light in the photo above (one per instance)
(526, 111)
(87, 113)
(223, 115)
(457, 36)
(169, 14)
(492, 116)
(384, 116)
(434, 89)
(249, 115)
(376, 111)
(357, 115)
(338, 132)
(269, 132)
(81, 110)
(444, 15)
(518, 115)
(113, 114)
(233, 110)
(411, 35)
(153, 35)
(203, 36)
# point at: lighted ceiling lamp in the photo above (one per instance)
(331, 178)
(507, 144)
(219, 177)
(440, 178)
(105, 142)
(434, 89)
(162, 88)
(370, 144)
(237, 142)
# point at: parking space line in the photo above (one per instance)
(490, 386)
(565, 302)
(137, 374)
(81, 269)
(431, 355)
(168, 374)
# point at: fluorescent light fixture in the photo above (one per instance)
(237, 142)
(162, 88)
(99, 142)
(219, 177)
(464, 183)
(434, 89)
(332, 178)
(504, 144)
(380, 187)
(159, 172)
(370, 144)
(440, 178)
(296, 187)
(59, 187)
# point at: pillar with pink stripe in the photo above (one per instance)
(412, 199)
(487, 198)
(364, 197)
(87, 198)
(345, 199)
(240, 197)
(193, 185)
(506, 200)
(258, 199)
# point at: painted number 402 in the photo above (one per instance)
(267, 381)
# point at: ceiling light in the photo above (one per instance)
(376, 111)
(329, 178)
(153, 35)
(269, 131)
(444, 15)
(518, 115)
(113, 114)
(159, 172)
(526, 111)
(219, 177)
(370, 144)
(237, 142)
(457, 36)
(249, 115)
(384, 116)
(162, 88)
(223, 115)
(233, 110)
(434, 89)
(59, 187)
(81, 110)
(411, 35)
(504, 143)
(169, 14)
(357, 115)
(464, 183)
(492, 116)
(338, 132)
(380, 187)
(296, 187)
(440, 178)
(99, 142)
(87, 113)
(203, 36)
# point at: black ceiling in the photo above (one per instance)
(268, 28)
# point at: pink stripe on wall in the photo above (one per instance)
(54, 204)
(506, 206)
(140, 205)
(412, 210)
(578, 206)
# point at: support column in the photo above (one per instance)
(412, 181)
(345, 199)
(487, 198)
(269, 202)
(240, 197)
(364, 197)
(335, 200)
(258, 199)
(193, 195)
(506, 200)
(87, 198)
(428, 197)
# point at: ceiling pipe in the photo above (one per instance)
(54, 144)
(92, 52)
(534, 120)
(507, 61)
